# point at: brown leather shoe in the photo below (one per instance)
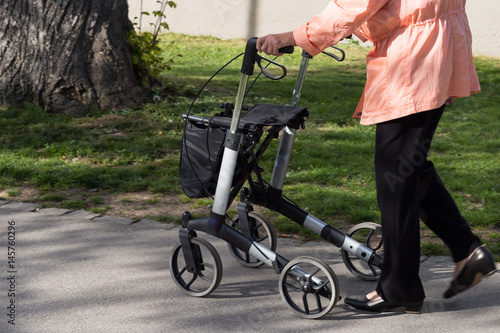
(480, 264)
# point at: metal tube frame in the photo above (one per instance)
(216, 225)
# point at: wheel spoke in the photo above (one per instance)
(188, 285)
(325, 292)
(310, 277)
(293, 287)
(304, 301)
(367, 243)
(373, 269)
(181, 272)
(248, 257)
(318, 302)
(259, 240)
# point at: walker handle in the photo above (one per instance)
(250, 56)
(286, 49)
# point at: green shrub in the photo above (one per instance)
(145, 48)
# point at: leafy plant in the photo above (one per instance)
(145, 49)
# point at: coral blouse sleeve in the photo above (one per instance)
(340, 18)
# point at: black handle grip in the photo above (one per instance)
(286, 49)
(249, 57)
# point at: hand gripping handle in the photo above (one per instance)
(251, 57)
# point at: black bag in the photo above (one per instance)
(203, 145)
(201, 156)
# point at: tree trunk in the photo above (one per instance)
(67, 55)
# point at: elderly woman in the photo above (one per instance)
(421, 59)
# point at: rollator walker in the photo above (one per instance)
(219, 155)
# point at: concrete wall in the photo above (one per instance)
(246, 18)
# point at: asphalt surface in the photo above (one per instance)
(74, 271)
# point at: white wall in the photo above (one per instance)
(484, 20)
(246, 18)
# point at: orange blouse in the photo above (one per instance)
(421, 52)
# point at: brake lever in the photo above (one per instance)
(335, 56)
(258, 58)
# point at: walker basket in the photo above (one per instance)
(203, 144)
(201, 155)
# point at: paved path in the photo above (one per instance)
(77, 272)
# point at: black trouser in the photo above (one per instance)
(409, 188)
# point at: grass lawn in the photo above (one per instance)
(124, 154)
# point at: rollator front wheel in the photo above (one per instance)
(205, 277)
(370, 235)
(309, 287)
(262, 232)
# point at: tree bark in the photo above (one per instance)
(67, 55)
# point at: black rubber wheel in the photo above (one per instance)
(370, 235)
(203, 279)
(263, 233)
(309, 287)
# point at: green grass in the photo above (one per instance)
(331, 172)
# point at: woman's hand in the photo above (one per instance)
(271, 44)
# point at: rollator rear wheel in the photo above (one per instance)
(309, 287)
(370, 235)
(262, 233)
(205, 277)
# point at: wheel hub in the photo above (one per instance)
(306, 288)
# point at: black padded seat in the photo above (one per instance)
(271, 115)
(258, 116)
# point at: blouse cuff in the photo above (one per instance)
(302, 40)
